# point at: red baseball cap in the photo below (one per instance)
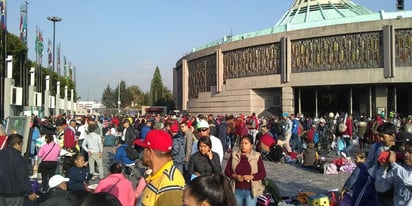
(157, 140)
(175, 127)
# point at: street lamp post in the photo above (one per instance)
(54, 19)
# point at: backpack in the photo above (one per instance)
(316, 137)
(178, 149)
(131, 152)
(251, 123)
(365, 192)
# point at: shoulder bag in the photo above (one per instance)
(41, 164)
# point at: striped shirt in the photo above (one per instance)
(165, 187)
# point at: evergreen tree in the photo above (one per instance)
(156, 86)
(109, 98)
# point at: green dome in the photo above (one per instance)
(305, 11)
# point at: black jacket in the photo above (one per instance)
(130, 136)
(201, 164)
(57, 196)
(14, 173)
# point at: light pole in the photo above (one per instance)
(54, 19)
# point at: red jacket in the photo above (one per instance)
(349, 127)
(3, 141)
(310, 135)
(69, 140)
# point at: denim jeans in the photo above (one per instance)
(244, 198)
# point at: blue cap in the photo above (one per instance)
(285, 114)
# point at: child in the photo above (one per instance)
(78, 172)
(398, 177)
(349, 185)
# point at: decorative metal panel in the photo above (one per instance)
(349, 51)
(403, 45)
(252, 61)
(202, 75)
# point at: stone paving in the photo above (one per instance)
(290, 177)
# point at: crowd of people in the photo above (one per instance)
(179, 160)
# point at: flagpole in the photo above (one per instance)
(3, 55)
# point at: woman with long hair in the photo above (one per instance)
(205, 161)
(49, 154)
(246, 171)
(211, 190)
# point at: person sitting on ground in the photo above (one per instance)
(214, 190)
(266, 143)
(58, 194)
(205, 161)
(310, 156)
(117, 185)
(122, 157)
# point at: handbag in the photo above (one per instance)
(41, 166)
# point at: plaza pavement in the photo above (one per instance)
(291, 178)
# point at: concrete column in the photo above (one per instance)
(8, 83)
(388, 51)
(58, 102)
(32, 94)
(185, 84)
(66, 103)
(47, 97)
(350, 100)
(73, 105)
(285, 59)
(300, 101)
(370, 103)
(219, 70)
(316, 103)
(381, 99)
(288, 100)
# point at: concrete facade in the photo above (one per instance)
(277, 70)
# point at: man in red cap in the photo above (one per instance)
(165, 184)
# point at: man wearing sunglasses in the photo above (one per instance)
(204, 131)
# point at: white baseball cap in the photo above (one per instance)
(202, 124)
(57, 180)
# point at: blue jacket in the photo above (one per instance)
(178, 149)
(77, 178)
(14, 173)
(295, 126)
(145, 130)
(121, 155)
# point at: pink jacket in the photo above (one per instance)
(53, 155)
(119, 186)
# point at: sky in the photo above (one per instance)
(110, 41)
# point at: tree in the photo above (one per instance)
(109, 98)
(156, 86)
(167, 100)
(135, 95)
(18, 50)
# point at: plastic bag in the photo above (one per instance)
(341, 144)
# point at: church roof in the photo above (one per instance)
(306, 14)
(305, 11)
